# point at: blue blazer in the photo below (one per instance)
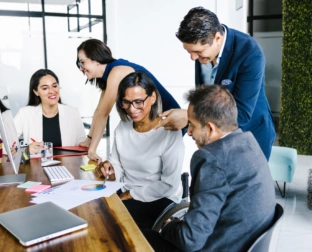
(242, 70)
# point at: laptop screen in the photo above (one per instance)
(8, 134)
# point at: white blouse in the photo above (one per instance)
(150, 163)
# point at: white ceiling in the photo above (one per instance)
(58, 2)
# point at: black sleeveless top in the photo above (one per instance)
(51, 130)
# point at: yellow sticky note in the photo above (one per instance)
(88, 167)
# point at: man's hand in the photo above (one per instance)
(125, 196)
(176, 119)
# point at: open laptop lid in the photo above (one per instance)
(6, 120)
(40, 218)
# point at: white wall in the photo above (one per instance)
(232, 17)
(144, 32)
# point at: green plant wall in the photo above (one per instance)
(295, 128)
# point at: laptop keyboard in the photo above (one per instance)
(58, 173)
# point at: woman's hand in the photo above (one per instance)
(13, 151)
(35, 147)
(95, 157)
(105, 169)
(85, 143)
(125, 195)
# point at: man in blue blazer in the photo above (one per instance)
(232, 196)
(233, 59)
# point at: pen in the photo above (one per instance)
(33, 140)
(105, 178)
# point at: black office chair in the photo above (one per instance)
(262, 244)
(175, 210)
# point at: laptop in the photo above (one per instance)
(38, 223)
(7, 128)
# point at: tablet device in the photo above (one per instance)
(38, 223)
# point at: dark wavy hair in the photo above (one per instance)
(33, 99)
(214, 103)
(98, 51)
(201, 25)
(143, 80)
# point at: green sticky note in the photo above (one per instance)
(88, 167)
(28, 184)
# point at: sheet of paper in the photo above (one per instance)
(90, 188)
(45, 192)
(65, 201)
(76, 192)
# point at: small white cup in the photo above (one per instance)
(47, 152)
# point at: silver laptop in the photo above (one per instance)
(41, 222)
(9, 138)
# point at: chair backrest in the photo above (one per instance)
(262, 244)
(185, 185)
(288, 152)
(283, 162)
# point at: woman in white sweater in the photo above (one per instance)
(45, 119)
(148, 161)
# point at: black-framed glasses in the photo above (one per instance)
(80, 63)
(138, 104)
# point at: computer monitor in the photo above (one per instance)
(9, 138)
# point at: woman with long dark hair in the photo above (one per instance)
(45, 118)
(95, 60)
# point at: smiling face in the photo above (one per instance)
(136, 95)
(87, 66)
(48, 90)
(199, 133)
(205, 53)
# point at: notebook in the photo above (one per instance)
(72, 148)
(60, 152)
(40, 218)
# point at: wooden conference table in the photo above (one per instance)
(110, 226)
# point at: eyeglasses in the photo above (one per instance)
(138, 104)
(80, 63)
